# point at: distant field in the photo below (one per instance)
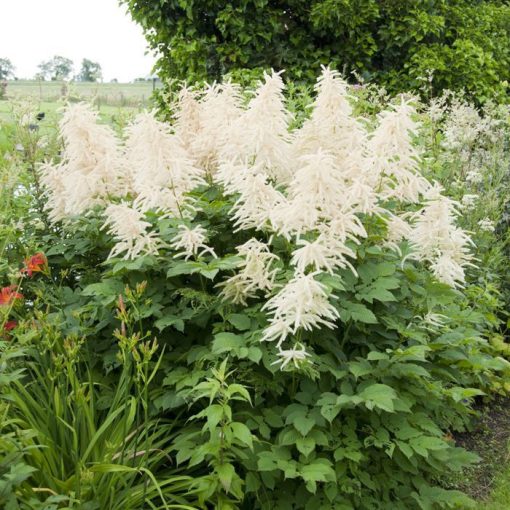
(112, 94)
(111, 99)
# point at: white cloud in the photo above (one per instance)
(35, 30)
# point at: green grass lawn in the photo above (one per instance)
(500, 495)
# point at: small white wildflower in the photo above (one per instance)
(474, 177)
(433, 320)
(486, 225)
(296, 355)
(468, 202)
(191, 241)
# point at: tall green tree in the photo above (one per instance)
(6, 69)
(90, 71)
(465, 42)
(57, 68)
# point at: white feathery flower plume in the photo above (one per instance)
(315, 194)
(436, 238)
(254, 274)
(297, 356)
(331, 126)
(325, 253)
(261, 133)
(301, 303)
(192, 242)
(161, 170)
(218, 109)
(257, 198)
(186, 116)
(131, 232)
(394, 157)
(91, 169)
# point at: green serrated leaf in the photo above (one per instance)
(240, 321)
(242, 433)
(379, 395)
(305, 445)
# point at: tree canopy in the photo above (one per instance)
(90, 71)
(465, 42)
(6, 69)
(57, 68)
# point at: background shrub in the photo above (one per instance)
(464, 42)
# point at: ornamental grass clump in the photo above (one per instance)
(295, 277)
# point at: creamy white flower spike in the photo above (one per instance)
(218, 109)
(326, 253)
(91, 169)
(257, 198)
(160, 166)
(331, 126)
(192, 242)
(398, 230)
(301, 304)
(130, 230)
(255, 273)
(436, 239)
(187, 116)
(297, 356)
(394, 159)
(261, 133)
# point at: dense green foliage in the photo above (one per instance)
(465, 43)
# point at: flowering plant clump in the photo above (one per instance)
(315, 187)
(306, 281)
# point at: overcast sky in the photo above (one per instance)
(35, 30)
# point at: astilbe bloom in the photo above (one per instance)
(218, 110)
(9, 294)
(325, 253)
(301, 304)
(332, 126)
(191, 241)
(317, 193)
(261, 133)
(398, 230)
(394, 159)
(91, 168)
(186, 116)
(257, 198)
(130, 230)
(255, 273)
(436, 239)
(297, 356)
(161, 170)
(35, 264)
